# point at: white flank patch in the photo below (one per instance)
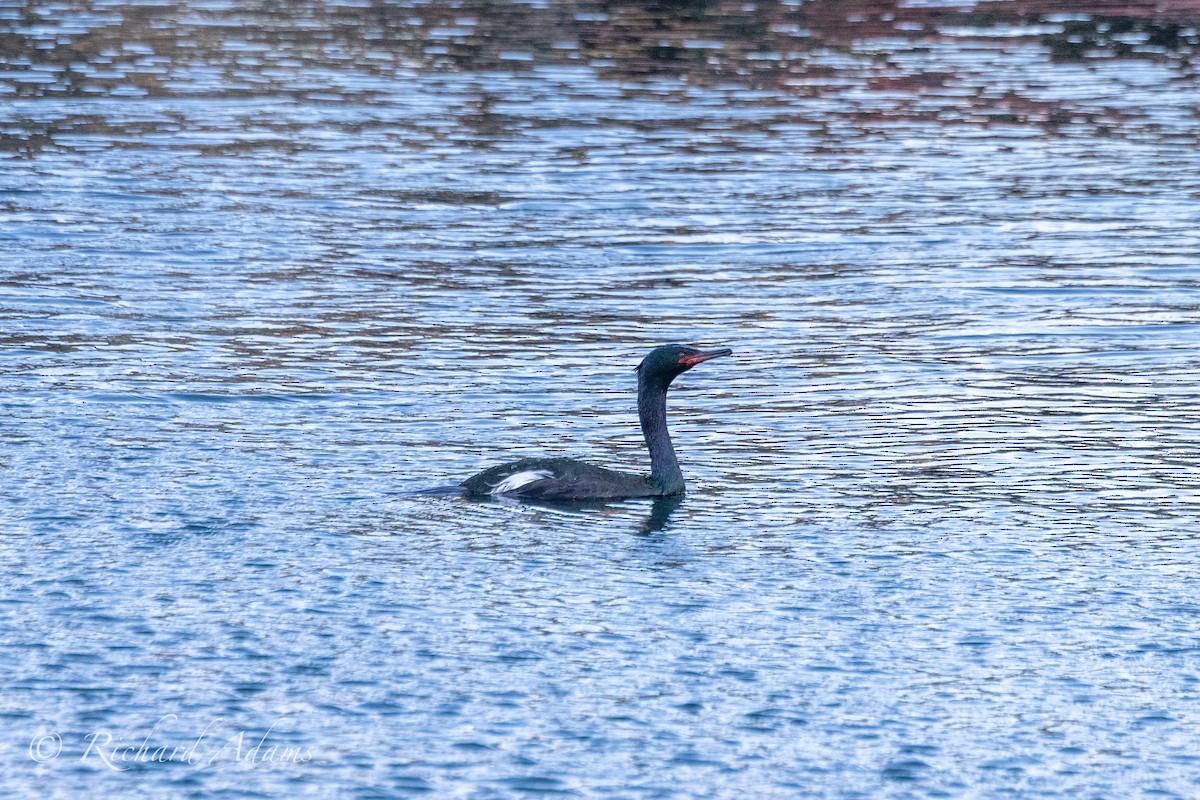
(519, 479)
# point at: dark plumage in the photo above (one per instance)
(567, 479)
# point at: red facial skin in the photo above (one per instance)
(691, 361)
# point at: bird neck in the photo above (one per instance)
(652, 411)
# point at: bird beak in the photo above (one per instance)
(691, 361)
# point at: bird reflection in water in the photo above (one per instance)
(656, 521)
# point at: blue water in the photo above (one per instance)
(266, 275)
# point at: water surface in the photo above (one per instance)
(265, 271)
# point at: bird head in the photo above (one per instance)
(665, 363)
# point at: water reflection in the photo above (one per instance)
(661, 509)
(656, 520)
(896, 54)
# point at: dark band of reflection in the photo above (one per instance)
(661, 508)
(777, 44)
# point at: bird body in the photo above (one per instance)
(558, 479)
(568, 479)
